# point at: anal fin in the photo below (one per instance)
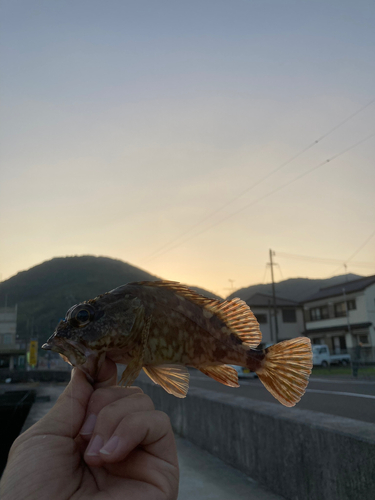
(221, 373)
(172, 378)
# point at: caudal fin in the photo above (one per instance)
(286, 369)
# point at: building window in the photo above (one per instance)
(317, 341)
(351, 305)
(317, 313)
(261, 318)
(340, 309)
(289, 316)
(7, 339)
(363, 339)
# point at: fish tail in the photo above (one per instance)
(286, 369)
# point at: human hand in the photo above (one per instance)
(96, 443)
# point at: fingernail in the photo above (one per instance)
(89, 425)
(110, 446)
(94, 447)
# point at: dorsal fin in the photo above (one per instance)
(179, 289)
(239, 319)
(235, 313)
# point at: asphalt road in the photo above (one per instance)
(346, 398)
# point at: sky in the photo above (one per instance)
(163, 133)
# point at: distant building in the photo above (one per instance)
(289, 317)
(342, 316)
(11, 354)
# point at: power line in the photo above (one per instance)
(267, 176)
(281, 273)
(360, 248)
(332, 158)
(322, 260)
(355, 253)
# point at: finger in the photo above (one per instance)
(150, 429)
(67, 415)
(108, 420)
(107, 375)
(100, 399)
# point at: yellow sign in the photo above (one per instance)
(33, 359)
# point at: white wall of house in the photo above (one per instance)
(286, 330)
(358, 315)
(363, 313)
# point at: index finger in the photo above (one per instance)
(101, 398)
(107, 375)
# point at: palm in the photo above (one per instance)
(65, 476)
(141, 474)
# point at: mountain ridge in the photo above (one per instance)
(297, 289)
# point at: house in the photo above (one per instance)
(11, 353)
(289, 317)
(342, 316)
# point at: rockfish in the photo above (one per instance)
(162, 327)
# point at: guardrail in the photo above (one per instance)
(299, 454)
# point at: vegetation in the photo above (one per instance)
(343, 370)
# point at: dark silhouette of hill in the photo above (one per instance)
(45, 292)
(298, 289)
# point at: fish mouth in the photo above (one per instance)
(77, 355)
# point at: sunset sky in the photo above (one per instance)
(142, 130)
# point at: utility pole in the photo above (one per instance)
(346, 310)
(274, 299)
(232, 287)
(270, 317)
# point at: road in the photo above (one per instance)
(346, 398)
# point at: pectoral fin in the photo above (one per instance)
(172, 378)
(222, 373)
(130, 373)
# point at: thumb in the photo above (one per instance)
(67, 415)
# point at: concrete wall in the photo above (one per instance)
(299, 454)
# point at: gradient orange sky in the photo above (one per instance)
(125, 124)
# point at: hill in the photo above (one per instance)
(45, 292)
(298, 289)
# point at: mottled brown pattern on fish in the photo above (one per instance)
(181, 332)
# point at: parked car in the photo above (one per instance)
(244, 372)
(322, 357)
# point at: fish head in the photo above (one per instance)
(91, 328)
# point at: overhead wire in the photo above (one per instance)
(281, 273)
(355, 253)
(322, 260)
(279, 188)
(267, 176)
(332, 275)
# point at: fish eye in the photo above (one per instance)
(81, 315)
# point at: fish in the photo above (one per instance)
(163, 327)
